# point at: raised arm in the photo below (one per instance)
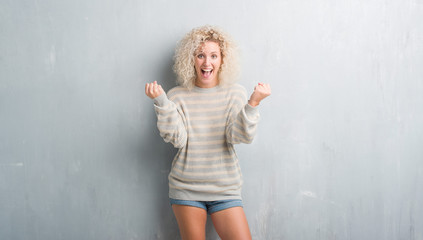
(170, 119)
(242, 126)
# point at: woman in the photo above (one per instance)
(204, 117)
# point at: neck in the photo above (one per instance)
(206, 85)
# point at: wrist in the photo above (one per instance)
(160, 100)
(253, 103)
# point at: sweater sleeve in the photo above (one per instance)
(242, 126)
(170, 121)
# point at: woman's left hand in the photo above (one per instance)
(261, 91)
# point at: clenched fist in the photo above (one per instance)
(261, 91)
(153, 90)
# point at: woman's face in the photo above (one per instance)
(207, 63)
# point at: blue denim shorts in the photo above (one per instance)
(210, 206)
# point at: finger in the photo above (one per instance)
(148, 88)
(268, 88)
(151, 89)
(264, 85)
(268, 91)
(157, 87)
(260, 88)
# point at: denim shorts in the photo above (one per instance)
(210, 206)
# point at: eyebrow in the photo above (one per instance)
(202, 52)
(210, 52)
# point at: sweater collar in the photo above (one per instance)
(206, 90)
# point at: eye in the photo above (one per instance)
(214, 56)
(200, 55)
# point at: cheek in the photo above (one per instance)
(198, 62)
(196, 65)
(218, 64)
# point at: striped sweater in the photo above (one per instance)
(204, 123)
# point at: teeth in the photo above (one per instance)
(207, 70)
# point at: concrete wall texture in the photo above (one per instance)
(339, 149)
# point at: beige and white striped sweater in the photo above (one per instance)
(204, 123)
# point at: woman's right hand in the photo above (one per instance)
(153, 90)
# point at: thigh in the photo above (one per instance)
(231, 224)
(191, 221)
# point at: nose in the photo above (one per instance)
(206, 61)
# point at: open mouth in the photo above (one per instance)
(206, 72)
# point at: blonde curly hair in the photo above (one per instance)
(185, 56)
